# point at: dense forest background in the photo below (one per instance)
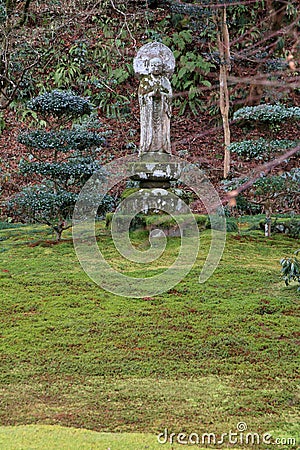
(88, 47)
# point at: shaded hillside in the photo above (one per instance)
(89, 49)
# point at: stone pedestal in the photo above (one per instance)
(155, 171)
(153, 200)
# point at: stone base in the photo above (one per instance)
(155, 170)
(152, 200)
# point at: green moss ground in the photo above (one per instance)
(199, 358)
(49, 437)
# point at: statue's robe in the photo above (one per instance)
(155, 95)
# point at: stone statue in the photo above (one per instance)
(155, 95)
(155, 64)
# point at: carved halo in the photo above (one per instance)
(154, 50)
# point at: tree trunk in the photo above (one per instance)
(58, 234)
(25, 13)
(224, 51)
(10, 6)
(224, 107)
(58, 229)
(268, 218)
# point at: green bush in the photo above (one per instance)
(137, 222)
(187, 196)
(294, 229)
(62, 140)
(291, 269)
(62, 159)
(267, 113)
(282, 190)
(260, 148)
(129, 191)
(3, 15)
(164, 221)
(42, 204)
(61, 104)
(231, 225)
(8, 225)
(167, 221)
(190, 71)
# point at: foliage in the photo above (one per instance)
(282, 190)
(190, 71)
(42, 204)
(63, 158)
(63, 140)
(18, 56)
(231, 225)
(102, 83)
(2, 123)
(291, 269)
(194, 17)
(108, 99)
(245, 206)
(106, 82)
(267, 113)
(273, 184)
(274, 191)
(9, 224)
(3, 15)
(294, 229)
(187, 196)
(61, 104)
(164, 221)
(260, 149)
(66, 173)
(71, 65)
(243, 19)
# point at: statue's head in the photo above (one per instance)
(156, 66)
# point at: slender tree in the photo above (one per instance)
(220, 20)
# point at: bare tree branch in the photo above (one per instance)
(10, 97)
(261, 171)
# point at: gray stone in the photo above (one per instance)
(154, 199)
(156, 170)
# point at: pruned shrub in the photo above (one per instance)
(61, 104)
(260, 149)
(59, 162)
(268, 113)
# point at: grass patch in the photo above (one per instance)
(37, 437)
(198, 358)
